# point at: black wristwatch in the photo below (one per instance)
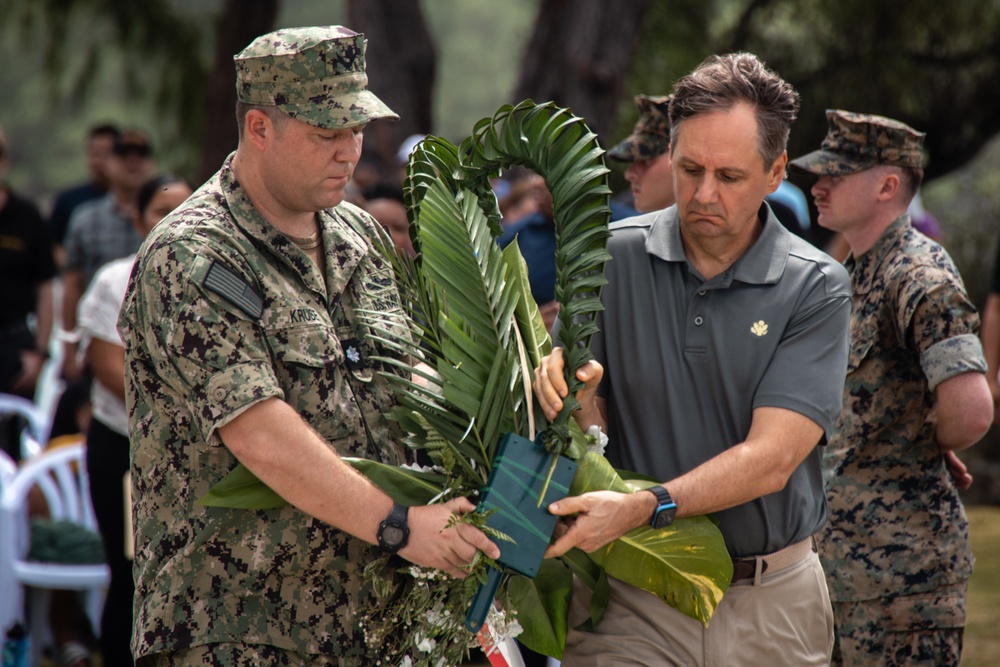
(666, 508)
(393, 532)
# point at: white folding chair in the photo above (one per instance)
(38, 427)
(8, 468)
(62, 477)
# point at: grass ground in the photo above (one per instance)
(982, 630)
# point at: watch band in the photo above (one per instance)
(394, 532)
(666, 508)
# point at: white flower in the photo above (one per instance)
(426, 645)
(407, 661)
(502, 626)
(419, 468)
(598, 438)
(434, 617)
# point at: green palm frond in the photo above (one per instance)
(481, 300)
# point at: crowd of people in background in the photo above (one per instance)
(63, 279)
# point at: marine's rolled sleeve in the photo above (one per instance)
(938, 320)
(960, 354)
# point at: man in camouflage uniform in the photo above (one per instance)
(244, 344)
(896, 548)
(645, 151)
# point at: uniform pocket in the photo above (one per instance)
(310, 367)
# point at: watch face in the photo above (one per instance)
(392, 535)
(663, 519)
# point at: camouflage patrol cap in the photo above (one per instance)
(314, 74)
(855, 142)
(650, 136)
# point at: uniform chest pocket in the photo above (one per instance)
(310, 345)
(862, 340)
(310, 367)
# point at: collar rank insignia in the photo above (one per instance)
(352, 354)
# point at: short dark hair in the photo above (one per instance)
(105, 130)
(277, 116)
(149, 189)
(911, 178)
(721, 82)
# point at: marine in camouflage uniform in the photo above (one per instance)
(896, 547)
(646, 151)
(651, 135)
(223, 312)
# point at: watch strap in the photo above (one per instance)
(397, 519)
(665, 510)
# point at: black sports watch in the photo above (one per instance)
(393, 532)
(666, 508)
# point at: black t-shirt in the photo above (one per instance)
(26, 259)
(995, 282)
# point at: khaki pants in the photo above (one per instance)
(786, 619)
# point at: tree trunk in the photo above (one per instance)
(580, 56)
(241, 21)
(401, 62)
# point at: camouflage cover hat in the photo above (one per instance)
(855, 142)
(650, 136)
(314, 74)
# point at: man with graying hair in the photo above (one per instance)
(245, 344)
(896, 547)
(719, 369)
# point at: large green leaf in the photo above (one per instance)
(241, 489)
(686, 564)
(542, 606)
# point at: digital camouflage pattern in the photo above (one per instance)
(197, 359)
(651, 135)
(315, 74)
(897, 525)
(903, 631)
(236, 655)
(855, 142)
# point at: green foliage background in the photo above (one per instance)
(46, 125)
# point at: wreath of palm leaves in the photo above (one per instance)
(478, 326)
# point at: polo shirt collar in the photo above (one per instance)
(763, 263)
(864, 267)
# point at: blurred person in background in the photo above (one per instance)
(27, 269)
(100, 231)
(107, 435)
(100, 145)
(384, 202)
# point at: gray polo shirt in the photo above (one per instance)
(687, 361)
